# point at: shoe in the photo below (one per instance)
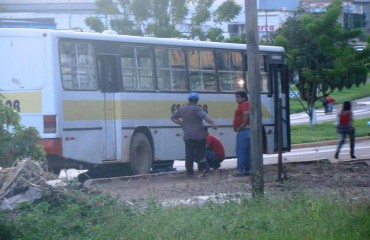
(353, 156)
(336, 156)
(190, 174)
(203, 174)
(239, 174)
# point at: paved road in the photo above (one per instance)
(360, 107)
(312, 152)
(315, 151)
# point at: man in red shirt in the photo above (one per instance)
(215, 152)
(242, 129)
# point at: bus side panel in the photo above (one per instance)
(139, 111)
(221, 108)
(83, 126)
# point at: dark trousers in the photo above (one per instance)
(212, 159)
(342, 138)
(195, 151)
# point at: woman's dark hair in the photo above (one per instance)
(346, 105)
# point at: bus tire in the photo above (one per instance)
(141, 154)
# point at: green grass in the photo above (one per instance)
(325, 131)
(340, 96)
(299, 217)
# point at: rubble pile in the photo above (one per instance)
(25, 181)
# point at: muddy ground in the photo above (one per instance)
(350, 179)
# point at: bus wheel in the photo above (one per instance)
(141, 154)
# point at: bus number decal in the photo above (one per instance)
(16, 105)
(174, 107)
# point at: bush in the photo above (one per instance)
(17, 141)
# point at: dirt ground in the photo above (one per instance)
(350, 179)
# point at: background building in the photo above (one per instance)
(272, 14)
(70, 14)
(57, 14)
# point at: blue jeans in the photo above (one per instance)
(342, 138)
(213, 160)
(243, 152)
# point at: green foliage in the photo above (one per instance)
(237, 39)
(166, 18)
(326, 131)
(17, 141)
(318, 50)
(227, 11)
(322, 217)
(25, 144)
(95, 24)
(215, 35)
(339, 95)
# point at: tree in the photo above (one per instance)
(202, 15)
(95, 23)
(165, 18)
(318, 49)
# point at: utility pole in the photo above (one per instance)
(254, 86)
(69, 15)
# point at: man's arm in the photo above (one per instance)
(245, 121)
(178, 121)
(209, 120)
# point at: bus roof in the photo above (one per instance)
(131, 39)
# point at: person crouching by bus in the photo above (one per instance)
(190, 117)
(215, 152)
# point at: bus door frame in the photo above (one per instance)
(280, 83)
(108, 82)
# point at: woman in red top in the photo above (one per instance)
(345, 126)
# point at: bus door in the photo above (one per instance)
(108, 80)
(280, 82)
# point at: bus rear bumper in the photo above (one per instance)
(52, 146)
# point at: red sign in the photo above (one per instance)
(266, 28)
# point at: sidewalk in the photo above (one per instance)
(326, 143)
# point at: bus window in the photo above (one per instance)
(137, 68)
(202, 70)
(78, 66)
(171, 74)
(264, 76)
(230, 71)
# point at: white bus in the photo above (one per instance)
(101, 98)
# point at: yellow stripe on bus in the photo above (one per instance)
(96, 110)
(25, 102)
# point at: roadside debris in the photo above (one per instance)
(23, 182)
